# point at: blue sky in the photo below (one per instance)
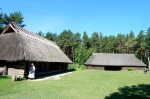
(107, 16)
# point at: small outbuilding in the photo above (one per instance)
(20, 47)
(107, 61)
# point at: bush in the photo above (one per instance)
(82, 67)
(130, 69)
(72, 66)
(76, 67)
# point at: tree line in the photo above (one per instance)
(79, 49)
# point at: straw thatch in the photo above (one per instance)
(18, 44)
(114, 60)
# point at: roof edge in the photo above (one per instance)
(10, 25)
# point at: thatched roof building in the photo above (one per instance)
(109, 60)
(19, 44)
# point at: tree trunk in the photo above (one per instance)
(72, 54)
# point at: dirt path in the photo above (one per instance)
(51, 77)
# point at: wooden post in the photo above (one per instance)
(5, 70)
(72, 54)
(14, 78)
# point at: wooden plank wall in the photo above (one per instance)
(135, 68)
(16, 68)
(16, 72)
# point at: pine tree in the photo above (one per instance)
(5, 19)
(95, 42)
(51, 36)
(101, 42)
(140, 46)
(148, 39)
(86, 41)
(120, 40)
(66, 43)
(130, 43)
(40, 33)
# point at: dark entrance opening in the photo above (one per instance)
(113, 68)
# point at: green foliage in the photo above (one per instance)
(66, 43)
(82, 67)
(86, 41)
(5, 19)
(72, 66)
(120, 41)
(96, 42)
(101, 41)
(131, 34)
(130, 45)
(111, 44)
(76, 67)
(80, 49)
(40, 33)
(16, 17)
(148, 39)
(51, 36)
(130, 69)
(140, 47)
(141, 57)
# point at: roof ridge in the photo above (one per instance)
(33, 35)
(114, 59)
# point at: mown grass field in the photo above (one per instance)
(81, 84)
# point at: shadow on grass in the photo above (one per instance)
(141, 91)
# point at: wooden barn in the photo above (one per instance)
(114, 62)
(19, 48)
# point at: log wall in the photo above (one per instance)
(16, 72)
(16, 68)
(123, 67)
(45, 67)
(21, 68)
(95, 67)
(134, 68)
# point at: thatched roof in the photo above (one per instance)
(18, 44)
(104, 59)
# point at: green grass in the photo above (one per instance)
(81, 84)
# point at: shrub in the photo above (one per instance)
(73, 66)
(76, 67)
(82, 67)
(130, 69)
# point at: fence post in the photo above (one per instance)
(14, 78)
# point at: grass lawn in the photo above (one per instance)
(81, 84)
